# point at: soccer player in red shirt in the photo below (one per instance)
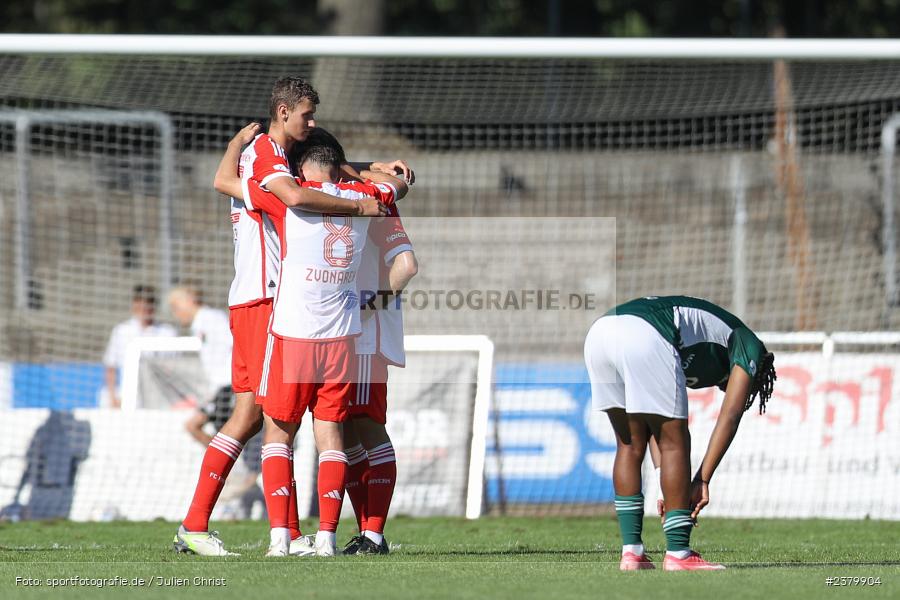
(311, 359)
(257, 262)
(388, 264)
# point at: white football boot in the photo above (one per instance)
(202, 543)
(304, 545)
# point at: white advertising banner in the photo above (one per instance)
(91, 464)
(828, 445)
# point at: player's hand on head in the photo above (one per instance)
(396, 168)
(371, 207)
(699, 497)
(246, 135)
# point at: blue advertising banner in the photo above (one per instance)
(552, 447)
(58, 386)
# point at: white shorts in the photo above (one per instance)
(633, 367)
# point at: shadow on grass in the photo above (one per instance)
(509, 552)
(813, 565)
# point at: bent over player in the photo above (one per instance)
(641, 356)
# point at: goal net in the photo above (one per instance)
(138, 463)
(759, 184)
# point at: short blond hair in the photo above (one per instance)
(186, 291)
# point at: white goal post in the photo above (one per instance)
(483, 386)
(480, 345)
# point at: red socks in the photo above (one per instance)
(277, 477)
(332, 476)
(382, 476)
(357, 466)
(217, 462)
(293, 515)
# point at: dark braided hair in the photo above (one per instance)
(764, 383)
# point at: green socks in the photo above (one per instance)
(630, 512)
(677, 528)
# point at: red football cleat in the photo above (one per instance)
(633, 562)
(694, 562)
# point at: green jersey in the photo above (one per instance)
(709, 339)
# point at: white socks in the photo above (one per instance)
(325, 537)
(679, 554)
(280, 536)
(375, 537)
(636, 549)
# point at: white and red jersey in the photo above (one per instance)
(383, 332)
(256, 244)
(320, 256)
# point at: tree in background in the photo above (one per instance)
(676, 18)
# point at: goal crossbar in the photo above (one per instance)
(456, 47)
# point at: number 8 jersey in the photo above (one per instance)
(316, 296)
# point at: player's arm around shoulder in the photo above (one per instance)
(227, 181)
(380, 179)
(304, 198)
(387, 175)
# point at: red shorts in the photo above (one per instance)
(249, 329)
(316, 375)
(370, 399)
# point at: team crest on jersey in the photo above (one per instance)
(235, 217)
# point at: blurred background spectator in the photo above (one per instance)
(141, 324)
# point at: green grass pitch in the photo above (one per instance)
(549, 558)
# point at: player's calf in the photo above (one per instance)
(330, 485)
(356, 482)
(381, 476)
(630, 514)
(218, 460)
(277, 482)
(679, 556)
